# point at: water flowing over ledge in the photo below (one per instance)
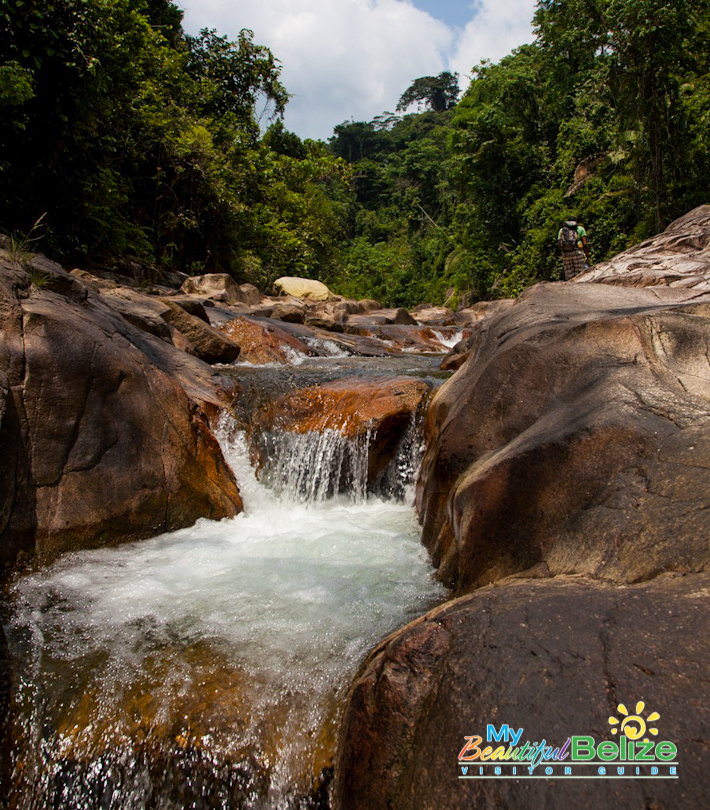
(205, 667)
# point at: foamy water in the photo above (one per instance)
(228, 642)
(448, 339)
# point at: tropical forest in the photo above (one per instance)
(123, 136)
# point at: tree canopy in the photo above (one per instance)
(128, 136)
(437, 93)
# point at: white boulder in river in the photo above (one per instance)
(302, 288)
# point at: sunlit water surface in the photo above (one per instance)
(205, 667)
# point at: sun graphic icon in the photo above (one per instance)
(633, 725)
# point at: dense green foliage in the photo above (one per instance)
(605, 118)
(132, 138)
(128, 137)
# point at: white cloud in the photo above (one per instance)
(494, 31)
(347, 59)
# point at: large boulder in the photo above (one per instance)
(575, 439)
(218, 286)
(209, 343)
(290, 312)
(552, 658)
(143, 311)
(104, 427)
(678, 257)
(302, 288)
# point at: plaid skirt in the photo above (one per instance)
(573, 261)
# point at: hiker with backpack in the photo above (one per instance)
(572, 241)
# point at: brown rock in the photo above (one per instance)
(291, 313)
(250, 295)
(382, 407)
(457, 356)
(553, 658)
(678, 257)
(143, 311)
(218, 286)
(102, 434)
(263, 342)
(211, 345)
(368, 304)
(483, 309)
(330, 323)
(358, 323)
(434, 316)
(192, 305)
(575, 438)
(396, 316)
(94, 282)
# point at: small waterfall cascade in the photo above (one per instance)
(205, 668)
(312, 466)
(309, 467)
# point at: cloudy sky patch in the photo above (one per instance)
(353, 59)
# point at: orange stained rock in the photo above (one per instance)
(262, 343)
(350, 406)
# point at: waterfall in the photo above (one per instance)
(206, 667)
(312, 466)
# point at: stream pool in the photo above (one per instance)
(206, 668)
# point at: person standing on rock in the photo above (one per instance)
(572, 242)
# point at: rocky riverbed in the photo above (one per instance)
(563, 494)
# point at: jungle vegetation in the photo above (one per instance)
(124, 136)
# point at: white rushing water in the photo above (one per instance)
(448, 339)
(201, 666)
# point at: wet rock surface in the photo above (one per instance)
(574, 439)
(263, 342)
(104, 426)
(554, 658)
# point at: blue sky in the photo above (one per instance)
(353, 59)
(455, 13)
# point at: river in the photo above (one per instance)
(206, 668)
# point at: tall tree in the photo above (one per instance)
(437, 93)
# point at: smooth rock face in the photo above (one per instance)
(678, 257)
(103, 429)
(142, 311)
(209, 343)
(554, 658)
(576, 438)
(302, 288)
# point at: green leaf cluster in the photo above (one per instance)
(137, 139)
